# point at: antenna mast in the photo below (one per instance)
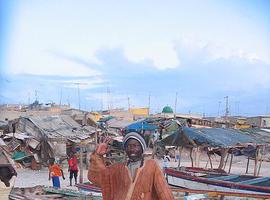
(227, 108)
(149, 102)
(175, 104)
(128, 103)
(79, 98)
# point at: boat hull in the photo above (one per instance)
(88, 188)
(187, 180)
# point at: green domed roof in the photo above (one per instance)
(167, 109)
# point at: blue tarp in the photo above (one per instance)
(218, 137)
(141, 125)
(213, 137)
(105, 119)
(18, 155)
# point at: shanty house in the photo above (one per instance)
(117, 125)
(55, 133)
(259, 121)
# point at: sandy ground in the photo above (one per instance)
(29, 178)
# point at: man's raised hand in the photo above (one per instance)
(102, 147)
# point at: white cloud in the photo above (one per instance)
(161, 54)
(109, 100)
(146, 34)
(42, 63)
(83, 84)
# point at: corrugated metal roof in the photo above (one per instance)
(89, 129)
(20, 136)
(60, 126)
(115, 123)
(33, 143)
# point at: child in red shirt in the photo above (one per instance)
(73, 168)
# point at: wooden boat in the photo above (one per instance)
(7, 174)
(216, 180)
(89, 188)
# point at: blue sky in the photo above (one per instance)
(201, 50)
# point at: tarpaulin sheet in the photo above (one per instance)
(142, 125)
(212, 137)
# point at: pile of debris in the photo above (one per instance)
(7, 174)
(31, 140)
(42, 193)
(22, 148)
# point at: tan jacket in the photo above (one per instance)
(116, 182)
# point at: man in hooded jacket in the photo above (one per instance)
(134, 179)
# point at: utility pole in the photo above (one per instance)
(68, 101)
(101, 103)
(175, 104)
(227, 108)
(81, 163)
(28, 98)
(128, 103)
(149, 101)
(60, 97)
(237, 108)
(78, 87)
(79, 98)
(36, 94)
(108, 98)
(219, 103)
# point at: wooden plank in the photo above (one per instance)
(191, 157)
(234, 194)
(226, 161)
(224, 178)
(260, 165)
(223, 152)
(66, 192)
(256, 161)
(196, 197)
(254, 180)
(16, 197)
(230, 163)
(209, 156)
(247, 165)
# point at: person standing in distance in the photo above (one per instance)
(73, 168)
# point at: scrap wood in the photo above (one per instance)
(16, 196)
(34, 196)
(66, 192)
(40, 193)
